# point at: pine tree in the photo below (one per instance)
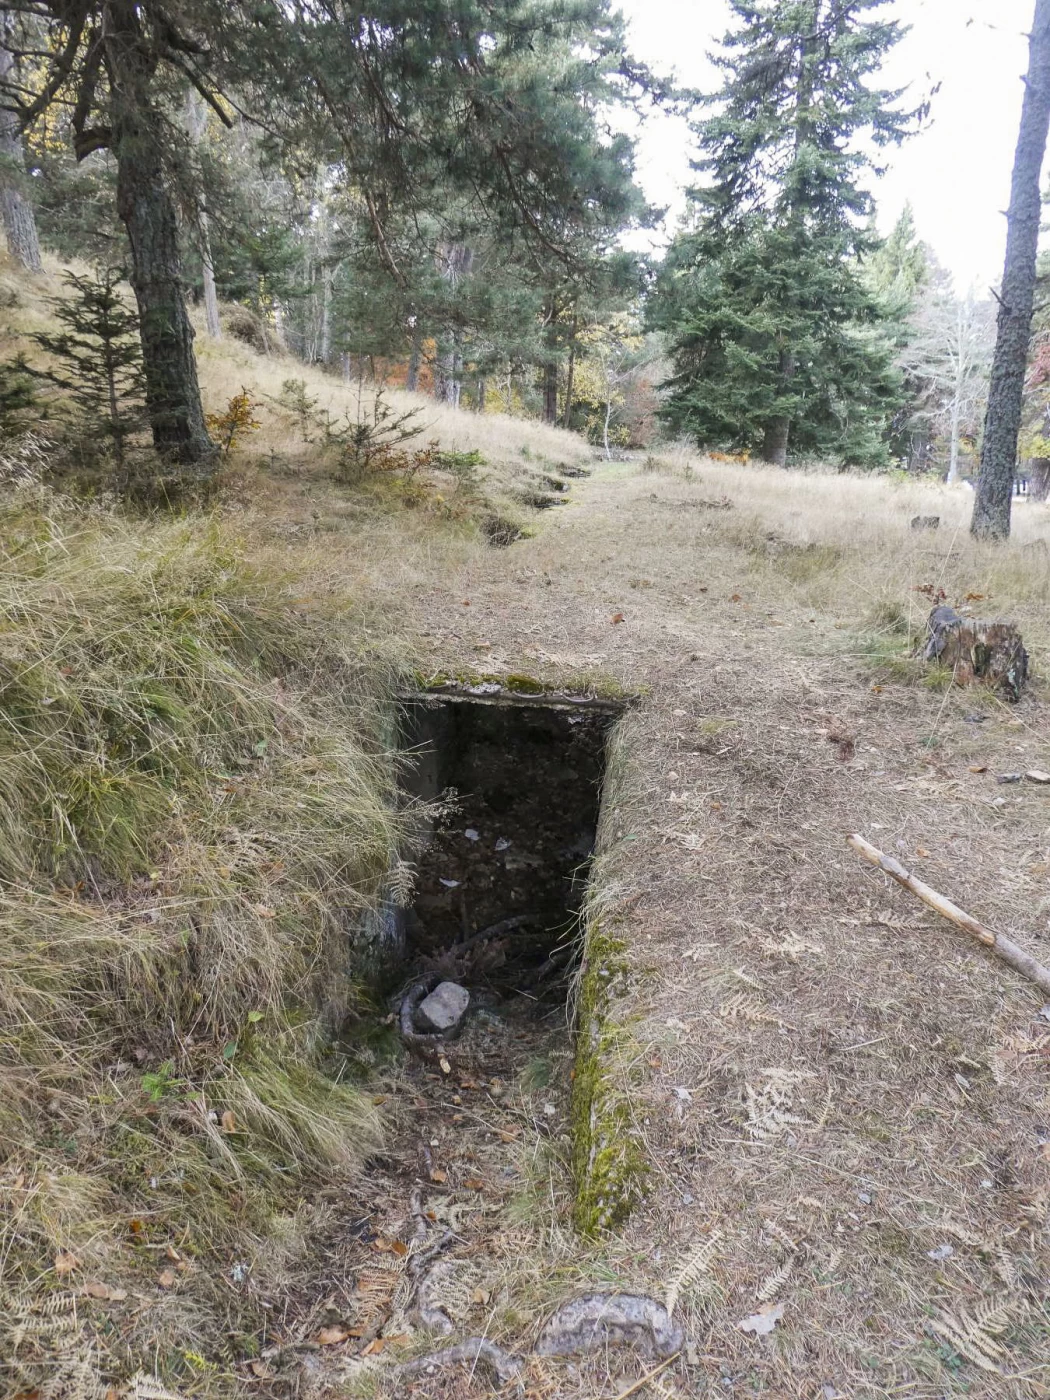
(99, 357)
(1002, 424)
(775, 336)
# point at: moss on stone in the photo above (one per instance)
(524, 685)
(609, 1166)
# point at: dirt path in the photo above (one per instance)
(842, 1106)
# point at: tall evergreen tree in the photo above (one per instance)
(774, 333)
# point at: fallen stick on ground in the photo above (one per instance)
(994, 942)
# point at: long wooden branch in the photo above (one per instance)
(995, 942)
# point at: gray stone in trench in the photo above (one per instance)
(444, 1008)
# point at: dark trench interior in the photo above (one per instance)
(502, 872)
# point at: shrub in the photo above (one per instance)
(235, 421)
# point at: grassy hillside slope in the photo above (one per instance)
(804, 1090)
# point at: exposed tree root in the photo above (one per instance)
(593, 1321)
(473, 1350)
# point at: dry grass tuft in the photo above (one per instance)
(195, 807)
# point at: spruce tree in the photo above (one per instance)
(774, 333)
(98, 358)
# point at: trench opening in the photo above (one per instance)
(501, 874)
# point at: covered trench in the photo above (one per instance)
(502, 871)
(513, 787)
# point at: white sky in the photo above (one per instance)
(956, 173)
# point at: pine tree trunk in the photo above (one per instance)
(211, 296)
(196, 118)
(775, 441)
(953, 457)
(566, 418)
(1039, 479)
(15, 210)
(445, 378)
(778, 429)
(327, 277)
(550, 392)
(991, 507)
(173, 399)
(414, 358)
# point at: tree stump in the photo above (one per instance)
(988, 653)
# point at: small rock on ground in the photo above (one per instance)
(444, 1008)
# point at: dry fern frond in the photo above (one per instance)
(963, 1235)
(774, 1282)
(143, 1387)
(768, 1108)
(374, 1294)
(791, 947)
(746, 1006)
(778, 1233)
(1004, 1266)
(973, 1334)
(401, 883)
(696, 1266)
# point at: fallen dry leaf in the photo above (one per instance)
(762, 1322)
(331, 1336)
(65, 1262)
(95, 1289)
(386, 1246)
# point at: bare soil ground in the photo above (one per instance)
(843, 1102)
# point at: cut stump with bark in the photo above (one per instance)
(987, 653)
